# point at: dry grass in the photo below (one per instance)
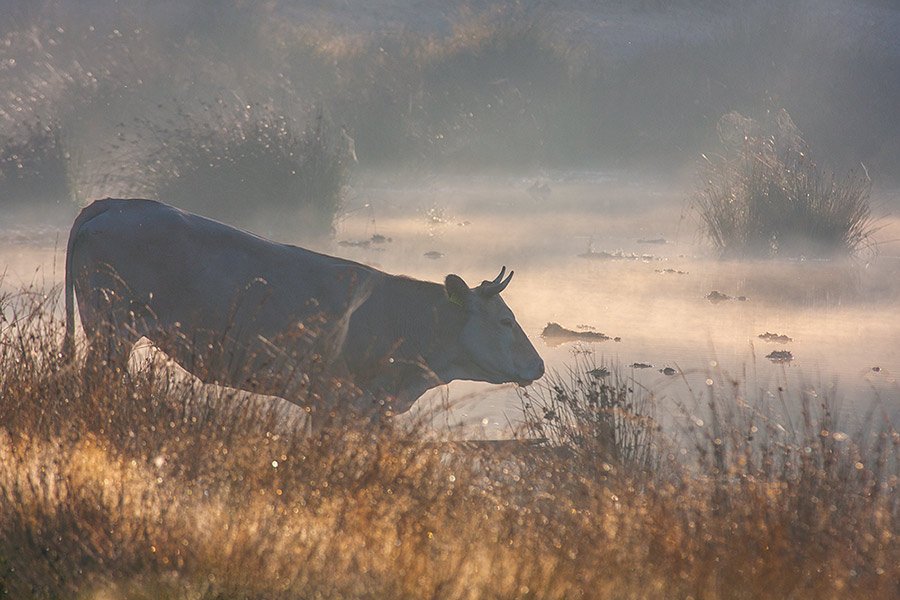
(150, 486)
(597, 414)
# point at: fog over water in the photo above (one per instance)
(841, 316)
(478, 135)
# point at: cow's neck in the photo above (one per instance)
(405, 338)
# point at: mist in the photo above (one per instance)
(569, 141)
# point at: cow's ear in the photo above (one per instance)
(457, 290)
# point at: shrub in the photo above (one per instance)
(255, 170)
(765, 197)
(246, 165)
(34, 168)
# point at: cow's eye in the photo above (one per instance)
(506, 322)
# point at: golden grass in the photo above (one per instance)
(149, 486)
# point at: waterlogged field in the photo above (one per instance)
(602, 253)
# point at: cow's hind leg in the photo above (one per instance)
(108, 353)
(111, 333)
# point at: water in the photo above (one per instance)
(842, 316)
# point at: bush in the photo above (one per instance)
(252, 167)
(765, 197)
(34, 168)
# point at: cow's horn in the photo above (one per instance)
(490, 288)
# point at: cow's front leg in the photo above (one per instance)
(362, 410)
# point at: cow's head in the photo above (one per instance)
(494, 346)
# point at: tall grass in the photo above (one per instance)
(764, 196)
(151, 486)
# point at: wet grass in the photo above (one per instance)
(149, 486)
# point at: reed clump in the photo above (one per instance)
(764, 196)
(149, 485)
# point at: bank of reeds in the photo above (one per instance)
(150, 486)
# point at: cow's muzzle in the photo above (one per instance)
(532, 374)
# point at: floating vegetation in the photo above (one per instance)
(780, 356)
(670, 271)
(375, 240)
(669, 371)
(716, 296)
(618, 255)
(433, 254)
(775, 338)
(556, 334)
(659, 241)
(640, 365)
(355, 243)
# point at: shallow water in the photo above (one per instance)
(842, 316)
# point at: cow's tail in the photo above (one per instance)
(89, 212)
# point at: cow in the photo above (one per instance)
(240, 311)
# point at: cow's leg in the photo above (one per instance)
(354, 409)
(110, 328)
(108, 352)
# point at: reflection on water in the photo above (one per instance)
(648, 285)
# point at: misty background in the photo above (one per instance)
(444, 86)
